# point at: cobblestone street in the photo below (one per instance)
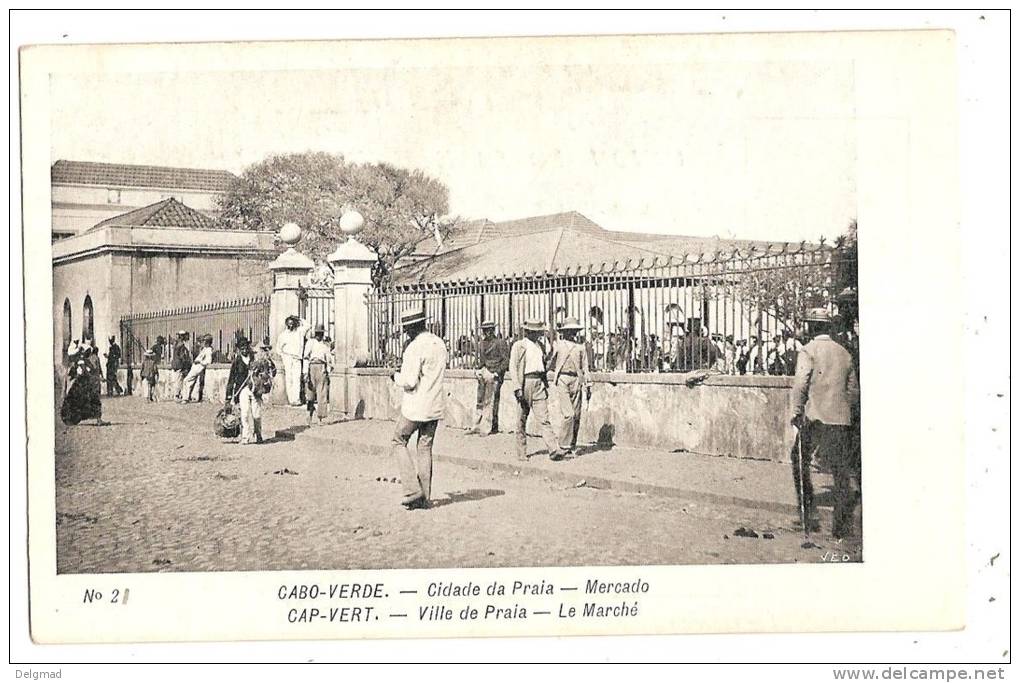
(157, 491)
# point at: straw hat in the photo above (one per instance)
(817, 315)
(571, 325)
(412, 316)
(534, 325)
(488, 324)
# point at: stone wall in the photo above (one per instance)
(743, 417)
(746, 417)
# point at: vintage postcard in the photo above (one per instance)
(476, 337)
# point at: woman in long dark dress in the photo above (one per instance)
(83, 397)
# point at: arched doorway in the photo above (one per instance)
(87, 328)
(65, 332)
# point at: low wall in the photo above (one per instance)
(739, 416)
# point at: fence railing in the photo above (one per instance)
(735, 312)
(225, 321)
(317, 307)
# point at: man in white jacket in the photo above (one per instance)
(291, 345)
(421, 379)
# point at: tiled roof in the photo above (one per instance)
(483, 230)
(168, 213)
(130, 175)
(479, 231)
(545, 251)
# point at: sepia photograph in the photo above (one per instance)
(391, 335)
(563, 314)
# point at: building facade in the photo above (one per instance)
(159, 257)
(84, 193)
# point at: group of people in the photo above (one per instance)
(825, 406)
(307, 356)
(84, 381)
(539, 370)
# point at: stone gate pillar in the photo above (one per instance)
(291, 271)
(352, 264)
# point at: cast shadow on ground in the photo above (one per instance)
(604, 442)
(466, 496)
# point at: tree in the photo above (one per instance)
(401, 207)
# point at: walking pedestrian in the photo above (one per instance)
(197, 372)
(150, 373)
(318, 360)
(492, 363)
(180, 363)
(569, 363)
(113, 356)
(825, 397)
(290, 344)
(528, 368)
(421, 379)
(241, 390)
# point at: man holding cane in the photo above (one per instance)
(825, 397)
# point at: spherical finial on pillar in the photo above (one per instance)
(351, 221)
(290, 234)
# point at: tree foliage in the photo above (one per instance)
(400, 206)
(785, 288)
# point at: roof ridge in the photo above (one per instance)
(117, 164)
(556, 250)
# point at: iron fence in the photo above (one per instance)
(317, 307)
(226, 321)
(735, 312)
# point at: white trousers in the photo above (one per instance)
(292, 379)
(251, 415)
(190, 380)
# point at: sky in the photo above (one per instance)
(751, 148)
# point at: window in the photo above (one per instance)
(86, 319)
(66, 329)
(113, 196)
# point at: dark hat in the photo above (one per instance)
(112, 337)
(243, 343)
(266, 344)
(412, 316)
(319, 327)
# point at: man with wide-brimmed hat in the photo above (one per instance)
(825, 397)
(180, 362)
(290, 344)
(421, 374)
(528, 368)
(492, 363)
(568, 363)
(318, 361)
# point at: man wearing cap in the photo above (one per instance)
(493, 361)
(421, 378)
(528, 368)
(198, 367)
(569, 363)
(318, 358)
(825, 398)
(290, 344)
(180, 363)
(112, 365)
